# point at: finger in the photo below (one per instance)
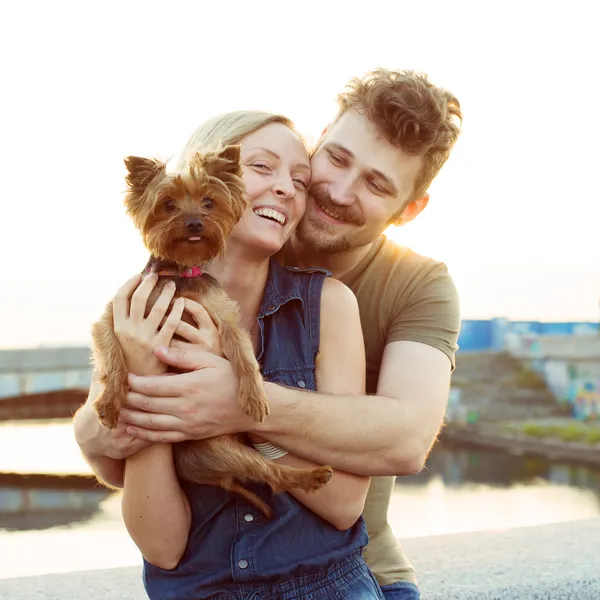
(169, 327)
(121, 299)
(190, 358)
(175, 386)
(200, 314)
(189, 332)
(147, 420)
(141, 402)
(139, 300)
(157, 437)
(159, 310)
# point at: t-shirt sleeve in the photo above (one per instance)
(430, 315)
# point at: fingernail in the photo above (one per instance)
(163, 349)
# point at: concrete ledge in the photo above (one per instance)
(553, 562)
(492, 438)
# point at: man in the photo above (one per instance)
(372, 168)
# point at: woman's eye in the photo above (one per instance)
(170, 205)
(208, 202)
(261, 167)
(301, 184)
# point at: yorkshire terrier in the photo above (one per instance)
(184, 219)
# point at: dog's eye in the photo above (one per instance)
(170, 205)
(208, 202)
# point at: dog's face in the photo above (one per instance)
(186, 217)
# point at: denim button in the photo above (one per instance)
(248, 518)
(243, 564)
(301, 384)
(272, 307)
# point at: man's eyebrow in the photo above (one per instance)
(374, 172)
(276, 156)
(339, 148)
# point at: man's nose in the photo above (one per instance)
(343, 189)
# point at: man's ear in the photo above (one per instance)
(140, 172)
(411, 210)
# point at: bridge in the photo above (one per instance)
(43, 382)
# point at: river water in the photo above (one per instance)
(51, 524)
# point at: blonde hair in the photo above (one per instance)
(228, 128)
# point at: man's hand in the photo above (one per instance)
(199, 404)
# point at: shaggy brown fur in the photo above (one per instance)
(184, 220)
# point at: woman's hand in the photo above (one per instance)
(139, 335)
(205, 336)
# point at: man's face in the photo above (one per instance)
(359, 183)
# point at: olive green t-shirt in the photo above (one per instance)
(402, 296)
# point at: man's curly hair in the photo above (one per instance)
(409, 112)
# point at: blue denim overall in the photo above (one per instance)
(233, 552)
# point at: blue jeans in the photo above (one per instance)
(401, 590)
(350, 580)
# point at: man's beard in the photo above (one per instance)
(316, 234)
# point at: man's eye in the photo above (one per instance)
(335, 159)
(374, 185)
(170, 205)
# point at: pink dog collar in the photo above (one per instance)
(189, 273)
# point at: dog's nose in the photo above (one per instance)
(194, 225)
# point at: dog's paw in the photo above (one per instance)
(254, 401)
(107, 413)
(257, 411)
(317, 478)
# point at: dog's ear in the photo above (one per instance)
(141, 171)
(221, 162)
(232, 155)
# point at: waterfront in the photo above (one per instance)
(53, 525)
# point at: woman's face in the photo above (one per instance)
(276, 176)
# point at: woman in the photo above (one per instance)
(204, 542)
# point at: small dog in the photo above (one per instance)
(184, 219)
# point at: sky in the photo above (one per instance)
(515, 212)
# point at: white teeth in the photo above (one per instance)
(328, 213)
(271, 214)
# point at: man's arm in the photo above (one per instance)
(387, 434)
(390, 433)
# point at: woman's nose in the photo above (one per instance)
(284, 188)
